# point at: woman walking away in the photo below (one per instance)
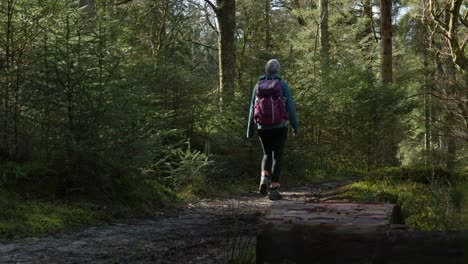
(270, 108)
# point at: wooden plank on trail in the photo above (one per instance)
(338, 217)
(341, 232)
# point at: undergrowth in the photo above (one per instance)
(25, 217)
(427, 203)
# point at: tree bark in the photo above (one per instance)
(427, 89)
(449, 29)
(386, 38)
(324, 40)
(88, 17)
(427, 109)
(90, 6)
(267, 26)
(9, 57)
(226, 16)
(370, 27)
(451, 142)
(450, 74)
(300, 19)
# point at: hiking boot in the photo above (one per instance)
(275, 195)
(264, 185)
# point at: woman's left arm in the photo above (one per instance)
(291, 108)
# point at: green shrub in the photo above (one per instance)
(32, 180)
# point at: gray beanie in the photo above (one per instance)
(272, 67)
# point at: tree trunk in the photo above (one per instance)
(386, 35)
(226, 15)
(427, 89)
(450, 73)
(90, 6)
(370, 15)
(69, 95)
(16, 107)
(9, 67)
(427, 109)
(46, 93)
(324, 40)
(267, 26)
(449, 29)
(300, 19)
(450, 79)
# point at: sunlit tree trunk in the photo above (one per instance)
(450, 73)
(427, 108)
(226, 17)
(427, 89)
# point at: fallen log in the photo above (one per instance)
(301, 232)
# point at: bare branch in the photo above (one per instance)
(464, 20)
(215, 9)
(123, 2)
(436, 17)
(201, 44)
(463, 45)
(436, 96)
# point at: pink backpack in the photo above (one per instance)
(269, 108)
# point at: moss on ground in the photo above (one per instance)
(21, 217)
(431, 206)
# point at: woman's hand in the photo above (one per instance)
(294, 135)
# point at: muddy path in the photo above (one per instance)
(200, 232)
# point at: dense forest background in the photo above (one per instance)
(127, 100)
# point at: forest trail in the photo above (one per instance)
(200, 232)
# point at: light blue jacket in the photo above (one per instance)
(289, 107)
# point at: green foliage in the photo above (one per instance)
(415, 174)
(33, 180)
(425, 206)
(188, 167)
(351, 122)
(19, 218)
(98, 107)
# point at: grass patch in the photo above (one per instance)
(21, 217)
(31, 218)
(245, 256)
(431, 206)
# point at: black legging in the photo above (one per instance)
(273, 144)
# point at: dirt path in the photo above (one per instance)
(197, 233)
